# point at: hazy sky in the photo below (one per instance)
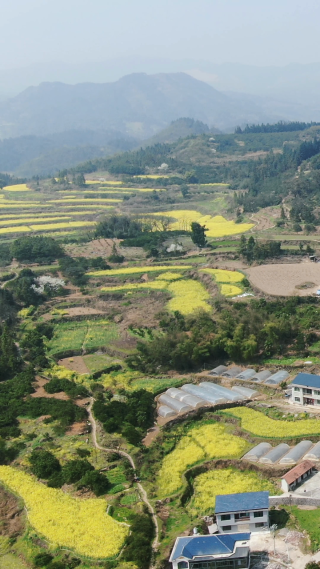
(259, 32)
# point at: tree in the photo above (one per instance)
(43, 463)
(76, 469)
(95, 481)
(198, 234)
(185, 191)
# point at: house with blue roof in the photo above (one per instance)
(242, 512)
(229, 551)
(306, 389)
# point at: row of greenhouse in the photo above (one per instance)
(283, 454)
(236, 372)
(190, 397)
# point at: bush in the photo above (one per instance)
(43, 463)
(76, 469)
(42, 559)
(36, 249)
(95, 481)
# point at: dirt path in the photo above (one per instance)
(142, 491)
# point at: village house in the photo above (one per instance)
(230, 551)
(242, 512)
(297, 475)
(306, 390)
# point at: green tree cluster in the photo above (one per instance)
(252, 250)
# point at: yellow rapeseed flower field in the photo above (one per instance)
(169, 276)
(18, 229)
(188, 295)
(224, 276)
(199, 444)
(109, 182)
(225, 481)
(217, 226)
(80, 525)
(32, 220)
(258, 424)
(230, 290)
(86, 201)
(17, 188)
(135, 270)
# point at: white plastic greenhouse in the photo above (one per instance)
(257, 452)
(232, 371)
(246, 391)
(246, 374)
(314, 453)
(204, 394)
(219, 370)
(165, 411)
(261, 376)
(275, 454)
(178, 406)
(277, 377)
(222, 391)
(296, 453)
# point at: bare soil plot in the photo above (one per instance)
(286, 279)
(40, 391)
(76, 363)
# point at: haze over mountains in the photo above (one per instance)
(55, 125)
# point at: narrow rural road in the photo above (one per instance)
(142, 491)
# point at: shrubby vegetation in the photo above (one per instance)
(280, 126)
(252, 250)
(36, 249)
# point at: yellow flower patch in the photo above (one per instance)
(80, 525)
(109, 182)
(226, 481)
(217, 226)
(230, 290)
(262, 426)
(18, 229)
(200, 444)
(223, 276)
(62, 225)
(32, 220)
(17, 188)
(135, 270)
(84, 200)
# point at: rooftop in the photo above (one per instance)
(206, 545)
(242, 502)
(298, 471)
(307, 380)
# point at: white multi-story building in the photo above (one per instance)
(242, 512)
(306, 390)
(230, 551)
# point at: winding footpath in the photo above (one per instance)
(142, 491)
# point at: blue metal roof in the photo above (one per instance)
(206, 545)
(307, 380)
(242, 502)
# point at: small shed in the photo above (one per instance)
(257, 452)
(297, 475)
(277, 377)
(245, 391)
(219, 370)
(275, 454)
(296, 453)
(261, 376)
(232, 372)
(178, 406)
(246, 374)
(165, 412)
(314, 453)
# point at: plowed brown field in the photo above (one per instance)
(283, 279)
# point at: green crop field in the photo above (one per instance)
(83, 335)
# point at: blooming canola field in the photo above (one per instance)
(258, 424)
(216, 226)
(207, 442)
(80, 525)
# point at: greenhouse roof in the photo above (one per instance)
(307, 380)
(242, 502)
(206, 545)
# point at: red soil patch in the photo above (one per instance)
(40, 392)
(77, 364)
(77, 428)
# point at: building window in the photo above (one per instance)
(183, 565)
(297, 388)
(317, 402)
(243, 562)
(258, 514)
(242, 516)
(259, 525)
(225, 517)
(226, 528)
(307, 391)
(297, 399)
(316, 392)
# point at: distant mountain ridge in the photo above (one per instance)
(137, 105)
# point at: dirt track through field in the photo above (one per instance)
(282, 279)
